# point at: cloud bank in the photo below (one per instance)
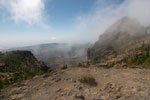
(28, 11)
(139, 9)
(105, 12)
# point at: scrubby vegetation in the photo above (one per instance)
(110, 66)
(85, 64)
(19, 65)
(141, 58)
(88, 80)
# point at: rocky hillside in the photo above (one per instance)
(77, 83)
(17, 66)
(126, 42)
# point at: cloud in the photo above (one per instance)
(28, 11)
(140, 9)
(91, 25)
(105, 12)
(25, 41)
(53, 38)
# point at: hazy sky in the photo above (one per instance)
(28, 22)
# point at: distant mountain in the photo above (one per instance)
(124, 38)
(56, 54)
(19, 65)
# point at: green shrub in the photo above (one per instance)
(110, 66)
(141, 60)
(4, 83)
(1, 84)
(84, 64)
(147, 61)
(87, 63)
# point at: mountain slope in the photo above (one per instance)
(125, 35)
(19, 65)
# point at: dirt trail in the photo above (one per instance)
(112, 84)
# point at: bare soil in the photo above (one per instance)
(112, 84)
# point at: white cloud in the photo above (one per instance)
(91, 25)
(53, 38)
(28, 11)
(140, 9)
(21, 41)
(104, 14)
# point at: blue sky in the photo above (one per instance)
(29, 22)
(63, 12)
(58, 17)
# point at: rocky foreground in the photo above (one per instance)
(73, 84)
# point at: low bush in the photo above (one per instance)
(88, 80)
